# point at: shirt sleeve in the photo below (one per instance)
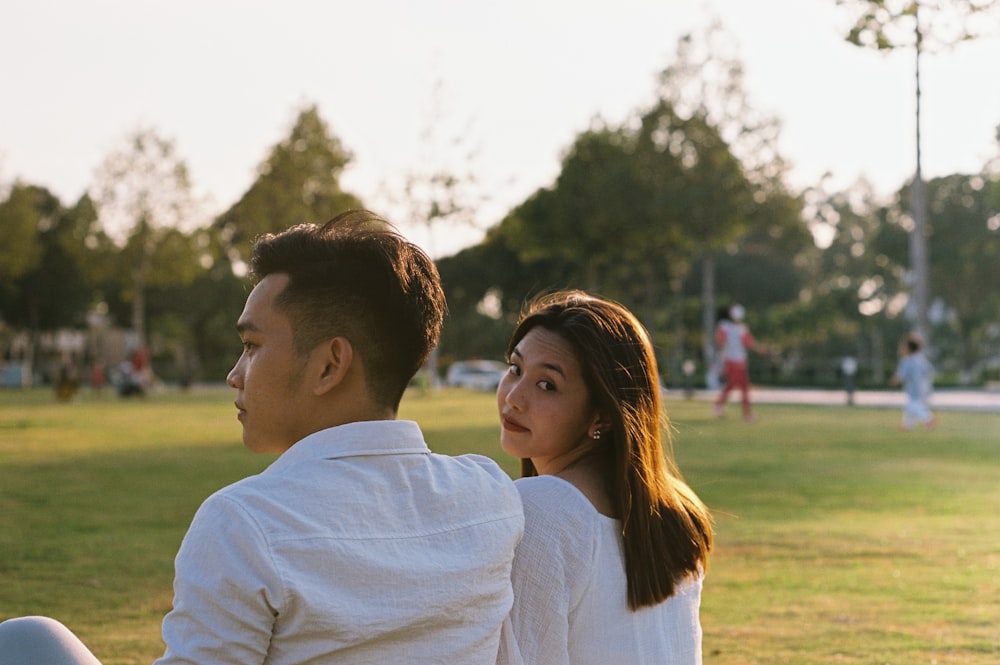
(720, 335)
(552, 568)
(227, 592)
(902, 369)
(684, 624)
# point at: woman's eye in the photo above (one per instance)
(547, 386)
(514, 369)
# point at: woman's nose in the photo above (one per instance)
(511, 392)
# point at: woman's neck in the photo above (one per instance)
(587, 475)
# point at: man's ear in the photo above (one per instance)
(335, 357)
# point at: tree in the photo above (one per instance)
(963, 315)
(579, 225)
(924, 26)
(441, 190)
(144, 199)
(635, 206)
(21, 217)
(298, 183)
(851, 282)
(485, 286)
(705, 82)
(199, 339)
(51, 289)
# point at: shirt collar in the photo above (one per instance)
(375, 437)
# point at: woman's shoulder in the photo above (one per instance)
(558, 514)
(553, 495)
(562, 531)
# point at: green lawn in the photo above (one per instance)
(839, 538)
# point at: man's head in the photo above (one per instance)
(352, 281)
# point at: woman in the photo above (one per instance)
(616, 545)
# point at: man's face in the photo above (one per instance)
(271, 396)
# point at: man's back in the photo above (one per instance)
(357, 546)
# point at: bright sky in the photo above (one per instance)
(521, 78)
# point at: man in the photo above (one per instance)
(357, 544)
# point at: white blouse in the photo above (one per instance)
(570, 598)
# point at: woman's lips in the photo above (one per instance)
(512, 425)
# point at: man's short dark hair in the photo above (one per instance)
(357, 277)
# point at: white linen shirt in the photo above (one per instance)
(570, 591)
(356, 545)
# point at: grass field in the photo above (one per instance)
(839, 538)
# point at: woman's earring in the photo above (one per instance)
(597, 435)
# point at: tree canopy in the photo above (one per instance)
(297, 183)
(681, 204)
(145, 200)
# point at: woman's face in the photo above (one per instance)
(545, 409)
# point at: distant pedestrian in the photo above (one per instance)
(98, 376)
(66, 382)
(849, 367)
(916, 374)
(734, 340)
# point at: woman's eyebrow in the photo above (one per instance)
(552, 366)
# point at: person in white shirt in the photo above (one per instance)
(615, 545)
(357, 544)
(734, 339)
(916, 374)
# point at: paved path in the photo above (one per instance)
(943, 399)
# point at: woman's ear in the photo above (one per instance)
(601, 424)
(335, 358)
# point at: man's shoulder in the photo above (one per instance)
(235, 494)
(473, 460)
(477, 468)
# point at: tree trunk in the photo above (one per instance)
(708, 320)
(919, 262)
(139, 310)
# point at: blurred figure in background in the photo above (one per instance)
(916, 374)
(733, 339)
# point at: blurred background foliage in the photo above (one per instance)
(678, 210)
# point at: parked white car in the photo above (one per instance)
(476, 374)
